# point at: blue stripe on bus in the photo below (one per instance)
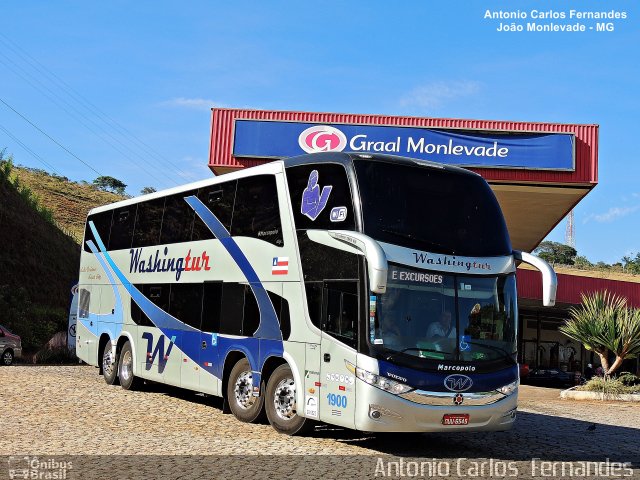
(108, 322)
(169, 325)
(269, 325)
(160, 318)
(267, 339)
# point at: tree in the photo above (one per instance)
(631, 264)
(554, 252)
(604, 323)
(147, 190)
(107, 183)
(582, 262)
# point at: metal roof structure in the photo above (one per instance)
(534, 200)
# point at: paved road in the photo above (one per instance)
(69, 410)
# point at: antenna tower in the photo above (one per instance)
(570, 233)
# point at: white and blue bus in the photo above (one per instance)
(373, 292)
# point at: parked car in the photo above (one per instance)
(10, 346)
(551, 377)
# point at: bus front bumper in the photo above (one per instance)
(380, 411)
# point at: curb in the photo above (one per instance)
(572, 394)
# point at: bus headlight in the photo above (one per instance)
(378, 381)
(509, 389)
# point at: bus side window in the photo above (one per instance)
(338, 211)
(122, 228)
(219, 199)
(232, 308)
(185, 303)
(84, 303)
(315, 267)
(341, 311)
(102, 223)
(281, 307)
(314, 302)
(251, 320)
(285, 320)
(158, 294)
(146, 232)
(211, 304)
(256, 212)
(137, 315)
(177, 220)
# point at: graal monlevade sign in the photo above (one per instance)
(277, 139)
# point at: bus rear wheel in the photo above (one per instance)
(280, 403)
(243, 404)
(110, 364)
(128, 380)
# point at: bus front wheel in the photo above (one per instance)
(243, 404)
(280, 403)
(125, 369)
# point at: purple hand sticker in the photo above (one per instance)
(314, 200)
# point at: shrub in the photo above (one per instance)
(35, 324)
(629, 379)
(608, 386)
(56, 356)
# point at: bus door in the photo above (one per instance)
(338, 346)
(87, 345)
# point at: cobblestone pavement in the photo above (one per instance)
(63, 410)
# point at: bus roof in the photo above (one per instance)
(344, 158)
(272, 167)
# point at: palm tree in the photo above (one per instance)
(604, 323)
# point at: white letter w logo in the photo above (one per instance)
(458, 383)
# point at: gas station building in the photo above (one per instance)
(538, 171)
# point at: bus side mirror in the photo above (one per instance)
(376, 258)
(549, 278)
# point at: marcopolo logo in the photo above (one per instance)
(322, 138)
(457, 383)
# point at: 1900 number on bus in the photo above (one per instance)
(337, 400)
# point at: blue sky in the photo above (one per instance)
(127, 87)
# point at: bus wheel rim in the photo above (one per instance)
(107, 361)
(243, 390)
(284, 399)
(127, 366)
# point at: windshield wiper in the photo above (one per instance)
(415, 349)
(504, 353)
(409, 236)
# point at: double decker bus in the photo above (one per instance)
(372, 292)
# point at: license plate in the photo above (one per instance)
(456, 419)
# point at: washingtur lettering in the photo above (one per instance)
(157, 263)
(452, 261)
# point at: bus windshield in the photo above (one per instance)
(444, 317)
(432, 209)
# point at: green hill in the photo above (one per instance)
(41, 226)
(68, 201)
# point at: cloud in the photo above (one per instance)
(194, 103)
(612, 214)
(434, 94)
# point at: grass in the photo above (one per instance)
(67, 203)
